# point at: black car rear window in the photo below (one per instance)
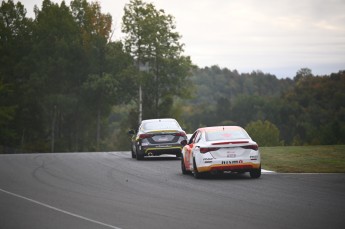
(161, 126)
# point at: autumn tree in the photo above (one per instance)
(95, 29)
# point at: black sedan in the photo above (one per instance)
(156, 137)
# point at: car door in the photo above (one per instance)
(195, 145)
(189, 150)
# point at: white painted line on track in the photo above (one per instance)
(267, 171)
(59, 210)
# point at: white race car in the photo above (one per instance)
(219, 149)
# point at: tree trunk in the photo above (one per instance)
(98, 128)
(140, 104)
(53, 130)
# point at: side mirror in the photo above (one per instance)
(184, 142)
(131, 132)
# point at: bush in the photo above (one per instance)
(264, 133)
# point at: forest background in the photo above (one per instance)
(66, 86)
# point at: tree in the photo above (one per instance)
(320, 104)
(15, 47)
(223, 110)
(95, 28)
(248, 108)
(57, 57)
(15, 42)
(264, 133)
(303, 73)
(60, 75)
(152, 41)
(7, 112)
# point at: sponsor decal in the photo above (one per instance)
(207, 159)
(254, 157)
(232, 162)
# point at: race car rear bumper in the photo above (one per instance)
(230, 167)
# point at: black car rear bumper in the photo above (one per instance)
(161, 149)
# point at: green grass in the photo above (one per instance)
(304, 159)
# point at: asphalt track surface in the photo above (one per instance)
(111, 190)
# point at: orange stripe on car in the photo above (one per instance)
(229, 167)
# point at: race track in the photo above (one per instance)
(111, 190)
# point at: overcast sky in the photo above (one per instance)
(274, 36)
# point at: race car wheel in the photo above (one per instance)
(139, 154)
(196, 174)
(255, 173)
(183, 167)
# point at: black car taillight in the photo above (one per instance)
(205, 150)
(253, 147)
(181, 134)
(142, 136)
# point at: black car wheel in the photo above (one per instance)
(139, 154)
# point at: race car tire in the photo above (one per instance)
(196, 174)
(183, 167)
(139, 154)
(255, 173)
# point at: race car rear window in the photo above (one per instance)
(226, 135)
(161, 126)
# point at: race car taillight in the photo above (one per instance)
(232, 142)
(205, 150)
(181, 134)
(142, 136)
(253, 147)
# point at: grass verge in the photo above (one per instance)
(304, 159)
